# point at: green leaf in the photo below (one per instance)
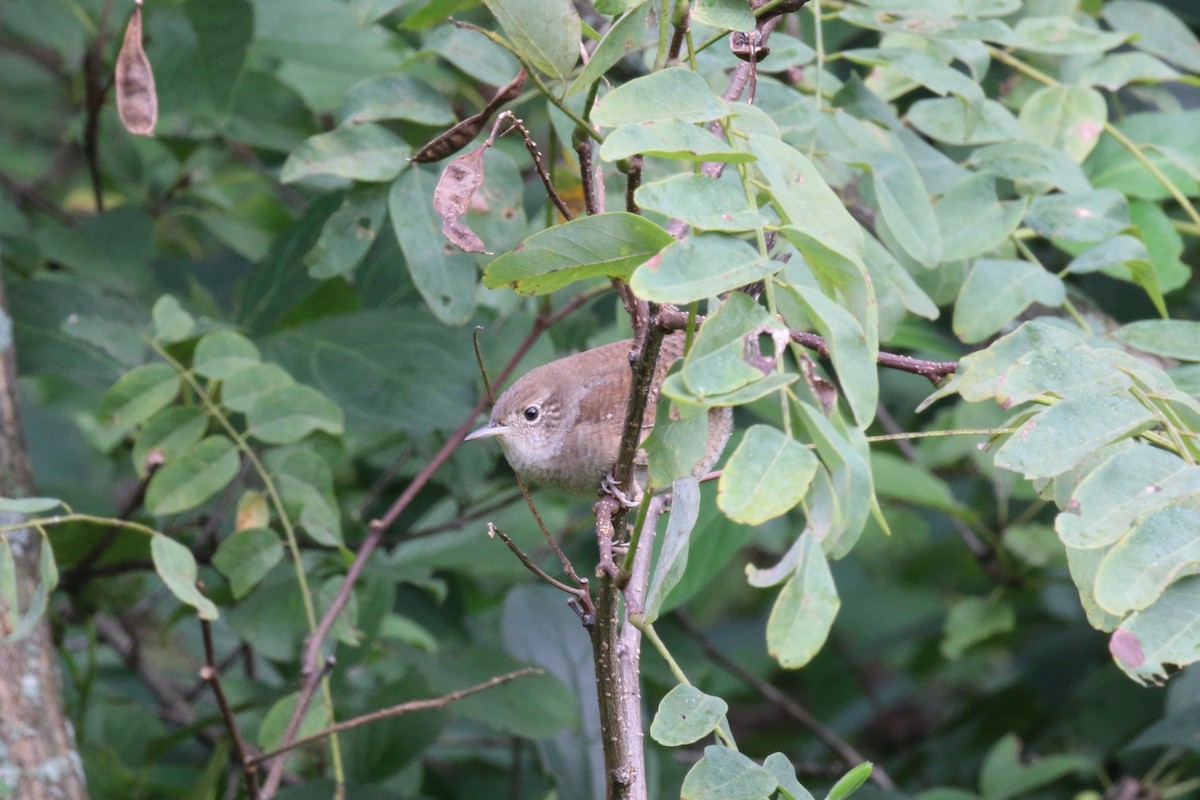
(673, 557)
(274, 724)
(394, 97)
(686, 715)
(850, 782)
(766, 476)
(348, 233)
(175, 564)
(195, 476)
(845, 453)
(9, 603)
(804, 611)
(1070, 118)
(973, 620)
(701, 202)
(1062, 36)
(725, 774)
(1169, 141)
(170, 433)
(243, 387)
(247, 556)
(717, 364)
(805, 201)
(904, 203)
(730, 15)
(996, 291)
(545, 32)
(626, 33)
(445, 277)
(1167, 632)
(972, 220)
(922, 68)
(366, 152)
(28, 505)
(1156, 30)
(138, 395)
(669, 94)
(781, 767)
(700, 266)
(1117, 70)
(1060, 437)
(1107, 503)
(1081, 217)
(603, 245)
(221, 353)
(947, 120)
(1173, 338)
(1163, 547)
(852, 349)
(1034, 164)
(290, 413)
(171, 323)
(1004, 776)
(47, 580)
(670, 138)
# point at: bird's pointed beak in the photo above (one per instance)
(491, 429)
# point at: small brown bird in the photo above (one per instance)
(560, 424)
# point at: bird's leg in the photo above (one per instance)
(608, 485)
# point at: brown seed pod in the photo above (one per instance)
(137, 101)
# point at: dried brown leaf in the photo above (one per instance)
(460, 180)
(137, 101)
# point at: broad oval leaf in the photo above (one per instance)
(1060, 437)
(176, 565)
(139, 394)
(686, 715)
(766, 476)
(170, 434)
(247, 556)
(804, 611)
(1079, 217)
(670, 138)
(1163, 547)
(997, 290)
(366, 152)
(221, 353)
(725, 774)
(1105, 504)
(603, 245)
(245, 386)
(700, 266)
(1067, 117)
(545, 32)
(195, 476)
(289, 413)
(669, 94)
(701, 202)
(1174, 338)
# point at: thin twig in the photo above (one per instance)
(844, 749)
(551, 192)
(495, 532)
(212, 676)
(307, 692)
(397, 710)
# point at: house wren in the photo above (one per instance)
(560, 424)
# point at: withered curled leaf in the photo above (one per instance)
(458, 137)
(458, 184)
(137, 101)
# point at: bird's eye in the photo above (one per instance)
(532, 413)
